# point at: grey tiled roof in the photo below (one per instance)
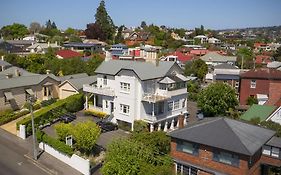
(12, 71)
(226, 134)
(275, 142)
(215, 57)
(225, 66)
(144, 70)
(77, 83)
(4, 63)
(22, 81)
(74, 76)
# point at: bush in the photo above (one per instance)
(56, 144)
(140, 126)
(8, 115)
(95, 113)
(63, 130)
(48, 102)
(75, 103)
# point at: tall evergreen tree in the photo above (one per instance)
(49, 24)
(104, 21)
(54, 26)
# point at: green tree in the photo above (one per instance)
(158, 141)
(119, 38)
(63, 130)
(74, 38)
(140, 126)
(105, 22)
(86, 135)
(70, 31)
(217, 99)
(143, 25)
(35, 27)
(277, 54)
(129, 157)
(196, 68)
(245, 56)
(14, 31)
(252, 100)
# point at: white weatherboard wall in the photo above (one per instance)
(74, 161)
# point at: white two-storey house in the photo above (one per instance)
(132, 90)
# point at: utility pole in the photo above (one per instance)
(242, 62)
(33, 129)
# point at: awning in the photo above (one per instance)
(29, 91)
(9, 96)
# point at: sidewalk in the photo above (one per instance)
(45, 162)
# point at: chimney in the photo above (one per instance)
(48, 71)
(108, 56)
(2, 57)
(181, 121)
(8, 76)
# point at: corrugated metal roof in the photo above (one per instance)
(260, 111)
(215, 57)
(226, 134)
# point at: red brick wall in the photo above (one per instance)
(274, 93)
(205, 159)
(262, 87)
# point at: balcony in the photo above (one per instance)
(107, 91)
(153, 98)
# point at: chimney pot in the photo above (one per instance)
(48, 71)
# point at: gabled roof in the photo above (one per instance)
(260, 111)
(77, 83)
(24, 81)
(43, 45)
(226, 134)
(262, 73)
(68, 53)
(215, 57)
(74, 76)
(12, 70)
(144, 70)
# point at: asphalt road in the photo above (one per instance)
(13, 160)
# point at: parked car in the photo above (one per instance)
(107, 126)
(67, 118)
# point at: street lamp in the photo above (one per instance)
(31, 99)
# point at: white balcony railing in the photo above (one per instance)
(107, 91)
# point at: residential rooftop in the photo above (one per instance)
(258, 111)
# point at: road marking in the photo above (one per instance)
(39, 165)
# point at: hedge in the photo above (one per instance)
(95, 113)
(49, 113)
(9, 115)
(56, 144)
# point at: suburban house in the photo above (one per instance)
(16, 85)
(202, 38)
(227, 73)
(72, 86)
(42, 47)
(220, 146)
(119, 50)
(263, 59)
(136, 38)
(80, 47)
(214, 41)
(263, 84)
(213, 59)
(134, 90)
(65, 54)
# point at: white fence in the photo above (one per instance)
(78, 163)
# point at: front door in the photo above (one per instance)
(111, 107)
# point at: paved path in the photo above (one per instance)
(12, 126)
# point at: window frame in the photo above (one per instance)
(224, 157)
(124, 109)
(253, 84)
(125, 87)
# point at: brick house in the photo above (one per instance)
(224, 146)
(263, 82)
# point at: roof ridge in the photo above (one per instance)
(227, 124)
(213, 119)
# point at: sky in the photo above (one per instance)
(188, 14)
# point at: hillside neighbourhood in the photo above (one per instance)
(145, 100)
